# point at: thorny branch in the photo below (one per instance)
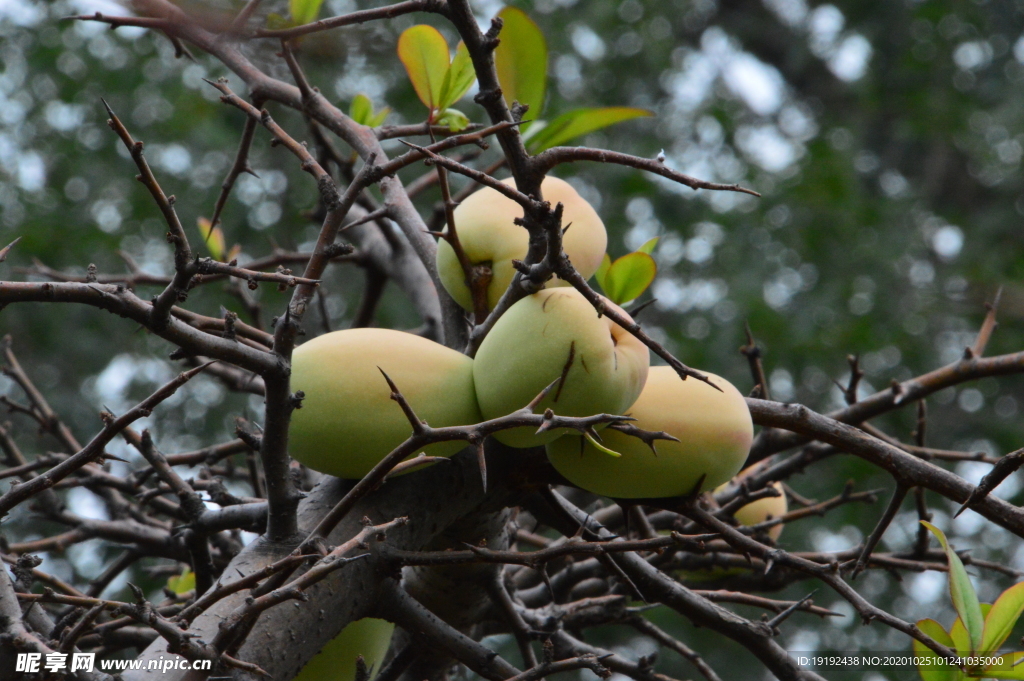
(549, 595)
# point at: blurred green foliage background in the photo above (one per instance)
(886, 138)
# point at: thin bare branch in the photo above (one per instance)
(550, 158)
(94, 449)
(351, 19)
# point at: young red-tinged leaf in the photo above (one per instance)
(458, 79)
(521, 59)
(961, 591)
(580, 122)
(182, 583)
(233, 254)
(1008, 666)
(424, 53)
(304, 11)
(629, 276)
(1002, 617)
(213, 237)
(936, 670)
(454, 119)
(648, 246)
(602, 272)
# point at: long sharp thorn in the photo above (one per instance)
(481, 459)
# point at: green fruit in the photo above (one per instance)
(529, 347)
(714, 430)
(336, 661)
(486, 232)
(348, 421)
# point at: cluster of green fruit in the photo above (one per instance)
(348, 423)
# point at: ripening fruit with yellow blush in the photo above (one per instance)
(487, 233)
(757, 512)
(754, 513)
(714, 431)
(336, 661)
(529, 348)
(348, 422)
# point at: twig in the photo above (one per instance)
(536, 559)
(987, 327)
(908, 391)
(402, 609)
(825, 573)
(333, 561)
(520, 629)
(539, 671)
(898, 495)
(665, 639)
(241, 163)
(753, 355)
(1003, 469)
(177, 290)
(476, 279)
(784, 615)
(191, 503)
(211, 266)
(7, 249)
(89, 453)
(907, 469)
(550, 158)
(325, 185)
(359, 17)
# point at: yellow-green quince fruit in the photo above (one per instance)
(757, 512)
(714, 431)
(336, 661)
(531, 344)
(487, 233)
(348, 422)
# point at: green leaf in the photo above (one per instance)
(580, 122)
(424, 53)
(213, 237)
(1002, 617)
(1009, 666)
(648, 246)
(380, 117)
(932, 628)
(602, 272)
(361, 111)
(961, 591)
(629, 276)
(304, 11)
(458, 79)
(938, 671)
(182, 583)
(454, 119)
(521, 60)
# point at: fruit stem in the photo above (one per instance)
(477, 279)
